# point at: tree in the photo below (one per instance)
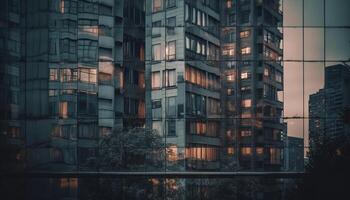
(135, 149)
(131, 149)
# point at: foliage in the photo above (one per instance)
(130, 149)
(326, 171)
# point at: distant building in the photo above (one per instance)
(328, 107)
(294, 154)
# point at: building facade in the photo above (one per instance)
(294, 154)
(11, 46)
(213, 82)
(84, 74)
(328, 107)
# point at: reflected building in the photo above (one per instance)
(214, 82)
(327, 107)
(11, 49)
(83, 77)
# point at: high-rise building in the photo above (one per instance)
(83, 76)
(328, 107)
(294, 154)
(214, 81)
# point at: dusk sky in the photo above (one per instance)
(331, 44)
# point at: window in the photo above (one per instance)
(68, 6)
(171, 128)
(88, 26)
(53, 74)
(171, 50)
(156, 109)
(68, 46)
(171, 24)
(87, 75)
(245, 17)
(228, 51)
(259, 150)
(105, 30)
(230, 76)
(188, 43)
(87, 50)
(246, 103)
(169, 77)
(63, 110)
(156, 52)
(230, 92)
(244, 34)
(246, 133)
(88, 131)
(244, 75)
(187, 14)
(245, 50)
(278, 76)
(213, 106)
(171, 106)
(156, 80)
(266, 72)
(157, 127)
(232, 19)
(87, 103)
(246, 151)
(275, 156)
(170, 3)
(67, 75)
(88, 6)
(157, 5)
(104, 78)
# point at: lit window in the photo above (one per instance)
(230, 150)
(230, 91)
(53, 74)
(157, 5)
(244, 34)
(171, 50)
(259, 150)
(88, 26)
(155, 80)
(246, 151)
(157, 127)
(68, 74)
(63, 110)
(156, 52)
(245, 50)
(266, 72)
(275, 156)
(229, 3)
(87, 75)
(171, 153)
(246, 133)
(230, 77)
(188, 43)
(169, 77)
(279, 77)
(246, 103)
(244, 75)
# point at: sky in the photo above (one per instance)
(317, 46)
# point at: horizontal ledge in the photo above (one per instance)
(156, 174)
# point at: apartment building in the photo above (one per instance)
(328, 106)
(84, 71)
(214, 81)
